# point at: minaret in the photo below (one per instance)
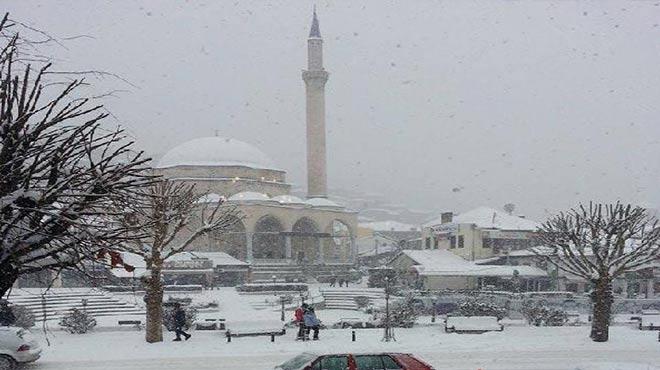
(315, 78)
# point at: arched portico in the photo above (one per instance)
(305, 241)
(232, 241)
(268, 241)
(337, 248)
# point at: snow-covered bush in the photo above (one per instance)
(361, 301)
(24, 317)
(479, 307)
(403, 313)
(168, 316)
(77, 321)
(538, 314)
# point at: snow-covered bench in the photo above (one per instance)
(210, 324)
(472, 324)
(649, 322)
(254, 328)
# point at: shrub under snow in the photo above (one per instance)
(77, 321)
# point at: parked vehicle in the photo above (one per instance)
(349, 361)
(17, 346)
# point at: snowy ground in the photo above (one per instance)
(515, 348)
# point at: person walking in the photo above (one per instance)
(312, 323)
(299, 316)
(179, 323)
(333, 281)
(7, 317)
(341, 282)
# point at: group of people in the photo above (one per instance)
(307, 322)
(342, 281)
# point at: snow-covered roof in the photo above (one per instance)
(322, 202)
(388, 226)
(439, 262)
(218, 258)
(249, 196)
(215, 151)
(489, 218)
(288, 199)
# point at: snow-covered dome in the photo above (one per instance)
(211, 198)
(249, 196)
(288, 199)
(216, 151)
(322, 202)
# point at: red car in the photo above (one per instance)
(355, 361)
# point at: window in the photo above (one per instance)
(376, 362)
(368, 363)
(389, 363)
(452, 242)
(428, 243)
(461, 241)
(334, 363)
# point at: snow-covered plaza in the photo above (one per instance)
(514, 348)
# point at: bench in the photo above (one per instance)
(244, 328)
(211, 324)
(133, 323)
(255, 333)
(472, 324)
(649, 322)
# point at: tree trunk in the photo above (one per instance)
(8, 276)
(154, 301)
(602, 299)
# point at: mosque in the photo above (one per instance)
(276, 227)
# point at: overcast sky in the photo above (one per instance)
(442, 105)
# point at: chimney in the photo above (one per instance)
(446, 217)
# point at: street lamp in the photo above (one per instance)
(274, 279)
(389, 335)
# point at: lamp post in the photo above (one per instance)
(389, 335)
(282, 298)
(274, 280)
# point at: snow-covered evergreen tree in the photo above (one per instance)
(77, 321)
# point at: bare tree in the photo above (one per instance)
(59, 169)
(509, 208)
(173, 218)
(599, 243)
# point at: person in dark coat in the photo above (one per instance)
(7, 317)
(312, 323)
(180, 323)
(333, 280)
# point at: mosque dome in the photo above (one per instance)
(249, 196)
(288, 199)
(216, 151)
(323, 202)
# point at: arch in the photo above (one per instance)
(305, 241)
(232, 241)
(337, 248)
(267, 240)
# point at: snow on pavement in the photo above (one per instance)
(516, 348)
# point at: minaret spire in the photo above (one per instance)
(315, 78)
(315, 31)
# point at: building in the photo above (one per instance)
(276, 227)
(480, 233)
(437, 269)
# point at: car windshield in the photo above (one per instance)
(297, 362)
(329, 185)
